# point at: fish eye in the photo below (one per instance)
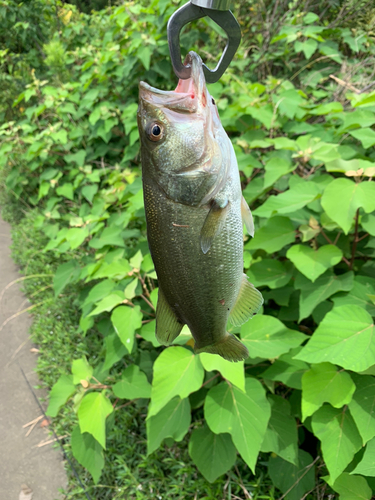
(155, 132)
(213, 101)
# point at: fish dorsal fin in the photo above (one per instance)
(247, 216)
(168, 327)
(212, 225)
(248, 303)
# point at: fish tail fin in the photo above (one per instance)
(229, 348)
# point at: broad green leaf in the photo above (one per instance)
(324, 383)
(326, 285)
(281, 435)
(288, 102)
(81, 370)
(88, 452)
(308, 47)
(276, 234)
(60, 393)
(366, 466)
(213, 454)
(325, 109)
(345, 338)
(267, 337)
(108, 303)
(172, 421)
(289, 201)
(65, 274)
(76, 236)
(233, 372)
(126, 320)
(352, 487)
(343, 197)
(312, 263)
(111, 235)
(294, 481)
(92, 413)
(276, 168)
(243, 415)
(365, 135)
(270, 272)
(177, 372)
(89, 191)
(118, 269)
(339, 437)
(362, 406)
(287, 370)
(78, 157)
(359, 295)
(66, 190)
(99, 291)
(340, 165)
(114, 350)
(368, 223)
(133, 384)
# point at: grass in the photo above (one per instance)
(128, 473)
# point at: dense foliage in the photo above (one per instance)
(299, 105)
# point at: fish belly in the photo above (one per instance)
(200, 288)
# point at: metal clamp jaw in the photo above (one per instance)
(218, 11)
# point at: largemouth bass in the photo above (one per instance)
(194, 212)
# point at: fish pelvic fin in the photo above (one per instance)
(229, 348)
(213, 224)
(247, 216)
(248, 303)
(168, 326)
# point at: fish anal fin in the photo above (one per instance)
(213, 224)
(247, 216)
(168, 327)
(248, 303)
(229, 348)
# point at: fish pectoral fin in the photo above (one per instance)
(229, 348)
(247, 216)
(168, 327)
(212, 225)
(248, 303)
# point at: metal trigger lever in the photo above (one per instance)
(218, 11)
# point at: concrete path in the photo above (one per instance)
(22, 462)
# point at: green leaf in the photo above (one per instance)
(126, 320)
(366, 466)
(365, 135)
(287, 370)
(213, 454)
(313, 263)
(276, 168)
(243, 415)
(362, 406)
(81, 370)
(343, 197)
(66, 190)
(294, 481)
(92, 413)
(289, 201)
(339, 437)
(326, 285)
(60, 393)
(65, 274)
(340, 165)
(99, 291)
(308, 47)
(368, 224)
(359, 295)
(267, 337)
(281, 435)
(78, 158)
(172, 421)
(133, 384)
(76, 236)
(233, 372)
(114, 350)
(345, 338)
(89, 191)
(88, 452)
(325, 384)
(111, 235)
(177, 372)
(352, 487)
(108, 303)
(277, 233)
(270, 272)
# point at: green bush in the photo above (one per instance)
(304, 140)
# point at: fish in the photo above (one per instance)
(194, 214)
